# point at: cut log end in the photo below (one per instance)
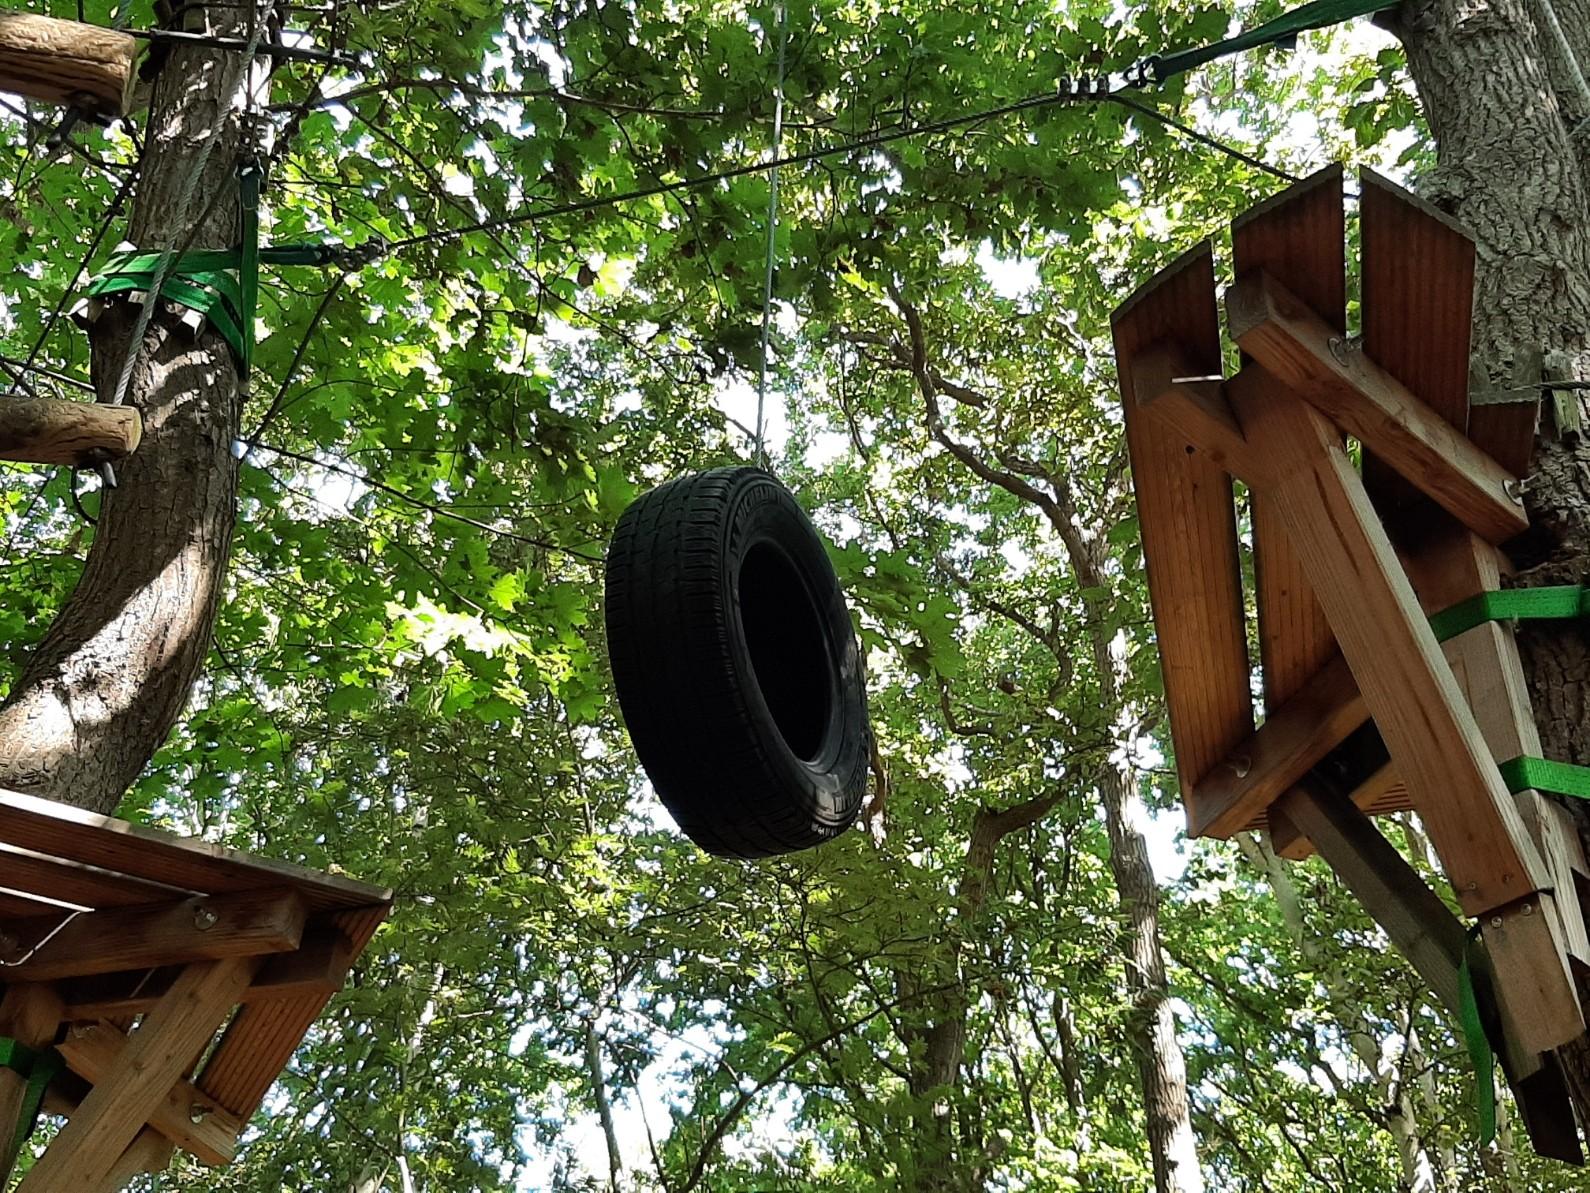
(67, 62)
(53, 431)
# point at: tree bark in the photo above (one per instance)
(115, 669)
(1502, 97)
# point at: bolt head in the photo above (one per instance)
(204, 918)
(1496, 921)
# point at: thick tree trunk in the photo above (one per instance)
(114, 671)
(1504, 100)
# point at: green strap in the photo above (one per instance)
(1479, 1047)
(1562, 603)
(248, 268)
(1541, 774)
(40, 1067)
(1285, 27)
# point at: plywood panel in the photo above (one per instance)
(1188, 524)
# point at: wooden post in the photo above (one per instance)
(87, 1151)
(53, 431)
(29, 1014)
(67, 62)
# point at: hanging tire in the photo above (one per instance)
(737, 671)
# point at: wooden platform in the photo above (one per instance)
(176, 978)
(1351, 470)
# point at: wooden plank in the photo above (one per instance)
(59, 830)
(185, 1116)
(319, 966)
(29, 1014)
(1298, 237)
(200, 929)
(75, 883)
(1417, 300)
(262, 1039)
(1471, 818)
(1196, 410)
(1535, 985)
(91, 1144)
(149, 1152)
(67, 62)
(1504, 429)
(55, 431)
(1302, 351)
(1188, 523)
(1428, 936)
(1279, 753)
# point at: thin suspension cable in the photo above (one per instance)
(772, 235)
(1202, 138)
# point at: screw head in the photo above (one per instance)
(204, 918)
(1528, 909)
(1496, 921)
(198, 1112)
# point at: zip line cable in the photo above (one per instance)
(772, 234)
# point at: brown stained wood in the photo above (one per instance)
(46, 827)
(319, 966)
(1297, 237)
(1505, 430)
(1302, 352)
(1370, 797)
(1292, 739)
(54, 431)
(1417, 310)
(185, 1116)
(110, 1118)
(67, 62)
(1427, 934)
(199, 929)
(1197, 410)
(29, 1014)
(1188, 523)
(75, 883)
(1471, 818)
(262, 1039)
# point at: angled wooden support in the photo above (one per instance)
(1166, 384)
(149, 1152)
(185, 1116)
(91, 1145)
(143, 937)
(1302, 351)
(67, 62)
(54, 431)
(1408, 688)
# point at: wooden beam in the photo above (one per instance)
(1409, 912)
(1196, 410)
(185, 1116)
(1407, 686)
(318, 966)
(55, 431)
(29, 1014)
(1335, 377)
(1292, 739)
(67, 62)
(149, 1152)
(148, 936)
(1535, 985)
(91, 1144)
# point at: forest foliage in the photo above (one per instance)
(408, 680)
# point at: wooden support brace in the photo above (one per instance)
(1408, 688)
(67, 62)
(149, 1152)
(1301, 351)
(144, 937)
(55, 431)
(186, 1117)
(87, 1151)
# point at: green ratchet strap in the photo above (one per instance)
(248, 267)
(1541, 774)
(39, 1067)
(1284, 28)
(1562, 603)
(1480, 1054)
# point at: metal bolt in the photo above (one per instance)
(204, 918)
(80, 1031)
(198, 1112)
(1496, 921)
(1528, 909)
(1240, 765)
(1474, 886)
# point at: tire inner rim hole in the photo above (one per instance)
(789, 654)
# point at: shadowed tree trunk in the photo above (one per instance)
(113, 672)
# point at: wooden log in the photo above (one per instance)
(55, 431)
(1302, 351)
(162, 934)
(67, 62)
(185, 1116)
(90, 1146)
(1472, 818)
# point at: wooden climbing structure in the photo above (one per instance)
(1365, 711)
(152, 988)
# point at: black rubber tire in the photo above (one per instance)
(737, 670)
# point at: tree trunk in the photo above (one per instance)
(114, 671)
(1502, 96)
